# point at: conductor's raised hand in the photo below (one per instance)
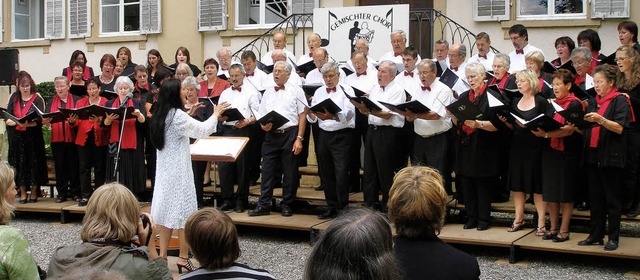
(220, 108)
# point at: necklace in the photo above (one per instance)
(105, 81)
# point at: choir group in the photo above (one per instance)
(561, 131)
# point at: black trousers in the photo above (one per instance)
(199, 168)
(383, 156)
(256, 134)
(431, 151)
(631, 193)
(357, 140)
(333, 159)
(237, 172)
(91, 156)
(477, 197)
(605, 193)
(277, 155)
(65, 156)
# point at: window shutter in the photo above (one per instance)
(1, 28)
(303, 6)
(609, 8)
(212, 15)
(54, 19)
(490, 10)
(79, 18)
(150, 21)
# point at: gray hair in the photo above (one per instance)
(237, 66)
(462, 50)
(392, 66)
(184, 67)
(124, 80)
(223, 50)
(581, 52)
(429, 63)
(476, 68)
(505, 59)
(331, 65)
(287, 66)
(62, 78)
(443, 42)
(404, 35)
(191, 81)
(277, 52)
(366, 43)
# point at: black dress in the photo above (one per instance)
(26, 148)
(525, 173)
(560, 170)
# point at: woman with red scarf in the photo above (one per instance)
(63, 136)
(534, 61)
(91, 140)
(478, 152)
(605, 156)
(79, 57)
(131, 168)
(501, 77)
(26, 144)
(559, 155)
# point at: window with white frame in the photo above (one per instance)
(119, 16)
(267, 13)
(28, 19)
(551, 9)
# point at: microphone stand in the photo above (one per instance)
(117, 157)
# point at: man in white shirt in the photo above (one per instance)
(457, 57)
(398, 43)
(225, 61)
(282, 144)
(333, 147)
(313, 42)
(255, 77)
(294, 80)
(409, 78)
(279, 43)
(485, 55)
(320, 58)
(245, 99)
(431, 144)
(441, 53)
(383, 156)
(520, 40)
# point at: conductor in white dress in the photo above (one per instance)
(174, 196)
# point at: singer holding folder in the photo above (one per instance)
(131, 168)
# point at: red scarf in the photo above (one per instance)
(130, 135)
(500, 83)
(540, 84)
(474, 99)
(85, 74)
(558, 143)
(61, 131)
(603, 104)
(137, 89)
(21, 112)
(580, 79)
(101, 134)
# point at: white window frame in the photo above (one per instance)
(493, 17)
(600, 14)
(120, 31)
(262, 25)
(550, 13)
(13, 24)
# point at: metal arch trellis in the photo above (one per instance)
(458, 33)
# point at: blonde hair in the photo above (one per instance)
(622, 82)
(112, 213)
(6, 181)
(417, 202)
(537, 57)
(183, 67)
(532, 78)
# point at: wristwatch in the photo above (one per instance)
(300, 137)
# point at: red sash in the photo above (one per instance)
(604, 104)
(61, 131)
(129, 137)
(101, 134)
(21, 112)
(558, 143)
(473, 97)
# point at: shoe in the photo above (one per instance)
(83, 202)
(550, 235)
(329, 214)
(188, 266)
(583, 206)
(516, 226)
(239, 208)
(259, 211)
(470, 224)
(590, 241)
(319, 188)
(541, 231)
(61, 199)
(482, 226)
(33, 200)
(286, 211)
(633, 212)
(23, 201)
(227, 205)
(77, 198)
(561, 237)
(611, 245)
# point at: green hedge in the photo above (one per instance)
(47, 90)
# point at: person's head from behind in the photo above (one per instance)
(112, 214)
(213, 238)
(357, 245)
(417, 202)
(7, 192)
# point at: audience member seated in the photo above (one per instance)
(213, 240)
(112, 219)
(357, 245)
(16, 261)
(417, 205)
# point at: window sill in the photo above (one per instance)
(116, 39)
(537, 23)
(242, 33)
(29, 43)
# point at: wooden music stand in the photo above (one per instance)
(218, 148)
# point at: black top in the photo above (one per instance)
(634, 96)
(431, 258)
(129, 71)
(612, 147)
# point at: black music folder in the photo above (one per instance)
(358, 92)
(463, 110)
(372, 106)
(266, 69)
(310, 89)
(573, 115)
(30, 117)
(233, 114)
(273, 117)
(56, 117)
(550, 68)
(223, 76)
(449, 78)
(347, 69)
(581, 93)
(108, 94)
(414, 106)
(304, 68)
(99, 111)
(541, 121)
(326, 105)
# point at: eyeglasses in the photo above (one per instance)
(621, 59)
(471, 77)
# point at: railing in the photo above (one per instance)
(428, 22)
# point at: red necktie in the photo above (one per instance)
(453, 68)
(519, 51)
(426, 88)
(397, 54)
(310, 54)
(249, 75)
(408, 74)
(382, 87)
(360, 74)
(278, 88)
(482, 56)
(236, 88)
(329, 90)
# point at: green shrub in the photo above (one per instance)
(46, 89)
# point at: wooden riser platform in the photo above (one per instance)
(629, 247)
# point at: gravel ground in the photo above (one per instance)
(283, 253)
